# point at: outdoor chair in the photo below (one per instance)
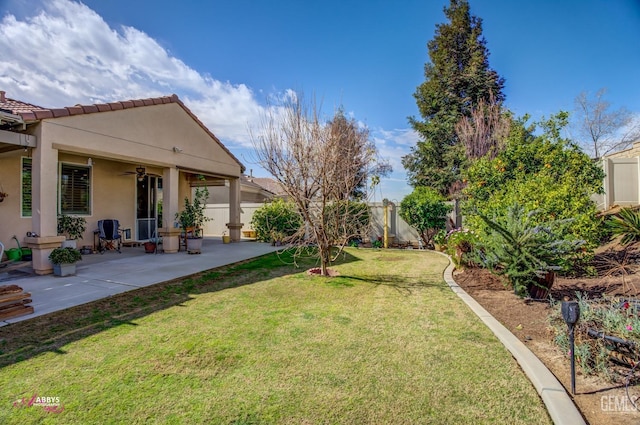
(109, 235)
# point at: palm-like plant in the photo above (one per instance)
(522, 250)
(626, 224)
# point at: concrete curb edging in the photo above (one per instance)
(558, 403)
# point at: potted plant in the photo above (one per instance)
(440, 240)
(71, 227)
(151, 246)
(3, 195)
(64, 261)
(192, 218)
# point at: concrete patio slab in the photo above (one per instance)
(102, 275)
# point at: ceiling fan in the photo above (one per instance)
(140, 173)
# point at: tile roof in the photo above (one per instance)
(270, 184)
(30, 113)
(16, 107)
(249, 181)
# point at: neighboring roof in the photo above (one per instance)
(249, 182)
(270, 184)
(31, 113)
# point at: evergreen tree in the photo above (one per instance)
(457, 78)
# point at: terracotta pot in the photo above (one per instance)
(541, 289)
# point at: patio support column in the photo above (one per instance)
(170, 234)
(44, 204)
(234, 224)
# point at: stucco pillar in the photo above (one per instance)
(170, 233)
(41, 247)
(234, 224)
(44, 205)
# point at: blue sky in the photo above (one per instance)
(226, 58)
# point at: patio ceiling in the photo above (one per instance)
(203, 178)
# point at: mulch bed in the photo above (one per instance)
(528, 320)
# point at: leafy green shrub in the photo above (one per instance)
(523, 250)
(626, 224)
(71, 226)
(425, 210)
(440, 238)
(543, 173)
(275, 219)
(461, 244)
(65, 256)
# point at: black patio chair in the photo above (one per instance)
(109, 237)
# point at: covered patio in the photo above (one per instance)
(133, 161)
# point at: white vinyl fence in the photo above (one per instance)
(398, 228)
(219, 215)
(621, 184)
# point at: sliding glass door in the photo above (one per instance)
(149, 207)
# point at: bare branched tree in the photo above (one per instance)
(484, 132)
(320, 166)
(602, 131)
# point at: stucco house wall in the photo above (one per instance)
(11, 221)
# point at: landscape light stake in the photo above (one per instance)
(571, 315)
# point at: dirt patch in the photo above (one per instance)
(317, 271)
(600, 401)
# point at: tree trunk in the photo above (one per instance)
(325, 260)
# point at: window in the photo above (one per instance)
(26, 187)
(75, 189)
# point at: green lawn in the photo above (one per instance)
(385, 343)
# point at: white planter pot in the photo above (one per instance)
(194, 246)
(64, 269)
(69, 243)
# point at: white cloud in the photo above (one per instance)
(394, 144)
(405, 137)
(65, 53)
(68, 54)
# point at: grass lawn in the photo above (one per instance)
(262, 342)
